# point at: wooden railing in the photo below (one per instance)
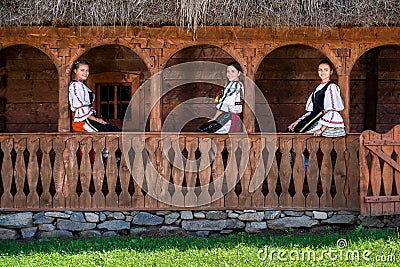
(190, 171)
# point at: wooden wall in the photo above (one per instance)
(114, 58)
(287, 76)
(208, 88)
(30, 88)
(120, 61)
(387, 101)
(281, 61)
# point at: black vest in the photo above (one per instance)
(318, 98)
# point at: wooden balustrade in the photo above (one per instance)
(106, 171)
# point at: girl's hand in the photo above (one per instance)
(100, 120)
(291, 126)
(318, 132)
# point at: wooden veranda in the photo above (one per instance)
(82, 171)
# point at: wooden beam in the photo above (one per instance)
(382, 143)
(382, 199)
(385, 157)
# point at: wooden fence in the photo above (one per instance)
(189, 171)
(380, 172)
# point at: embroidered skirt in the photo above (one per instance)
(334, 132)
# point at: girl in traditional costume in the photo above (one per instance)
(229, 104)
(323, 106)
(81, 100)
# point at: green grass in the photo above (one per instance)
(234, 250)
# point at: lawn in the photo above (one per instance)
(356, 248)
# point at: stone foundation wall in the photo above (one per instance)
(68, 224)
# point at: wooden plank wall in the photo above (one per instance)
(66, 171)
(388, 95)
(30, 89)
(287, 76)
(29, 83)
(188, 91)
(114, 58)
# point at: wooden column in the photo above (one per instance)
(344, 84)
(155, 91)
(155, 103)
(63, 83)
(250, 103)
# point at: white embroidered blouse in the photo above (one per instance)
(231, 97)
(333, 103)
(80, 101)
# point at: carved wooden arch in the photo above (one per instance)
(138, 51)
(48, 52)
(328, 53)
(358, 53)
(169, 53)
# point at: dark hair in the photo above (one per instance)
(78, 62)
(76, 65)
(325, 61)
(236, 65)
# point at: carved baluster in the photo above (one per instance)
(191, 172)
(339, 173)
(312, 199)
(271, 199)
(7, 173)
(244, 199)
(326, 173)
(299, 145)
(218, 172)
(71, 173)
(46, 145)
(285, 172)
(138, 172)
(111, 172)
(99, 199)
(204, 198)
(178, 172)
(20, 173)
(33, 172)
(232, 171)
(164, 195)
(59, 173)
(258, 166)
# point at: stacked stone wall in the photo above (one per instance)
(82, 224)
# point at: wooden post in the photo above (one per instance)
(250, 103)
(155, 103)
(63, 83)
(344, 84)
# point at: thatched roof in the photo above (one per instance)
(193, 13)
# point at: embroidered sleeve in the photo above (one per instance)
(332, 100)
(309, 104)
(227, 101)
(305, 115)
(79, 101)
(332, 118)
